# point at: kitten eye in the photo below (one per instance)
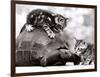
(83, 42)
(61, 20)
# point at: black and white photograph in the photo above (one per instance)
(54, 38)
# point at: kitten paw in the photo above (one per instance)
(43, 61)
(51, 34)
(29, 28)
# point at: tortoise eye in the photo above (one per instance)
(66, 53)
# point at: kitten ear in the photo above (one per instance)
(75, 38)
(67, 19)
(54, 14)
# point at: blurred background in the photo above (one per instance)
(80, 24)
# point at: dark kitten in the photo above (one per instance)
(50, 22)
